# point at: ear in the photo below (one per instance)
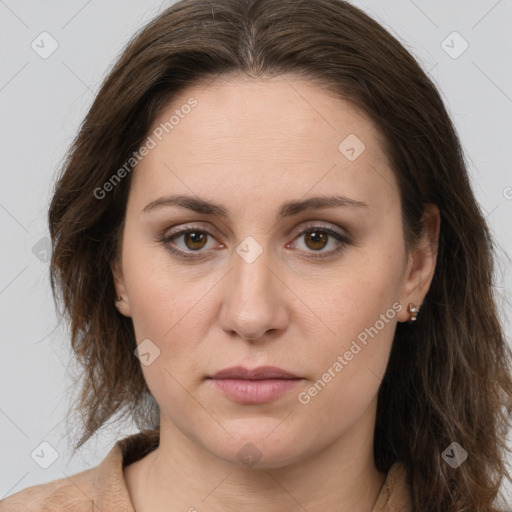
(421, 263)
(122, 305)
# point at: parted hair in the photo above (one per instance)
(449, 374)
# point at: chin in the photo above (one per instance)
(253, 447)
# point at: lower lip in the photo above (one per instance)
(254, 391)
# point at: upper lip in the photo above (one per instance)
(260, 373)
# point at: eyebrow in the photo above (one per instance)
(287, 209)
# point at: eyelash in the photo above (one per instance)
(166, 240)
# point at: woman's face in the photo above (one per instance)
(294, 258)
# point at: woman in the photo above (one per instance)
(272, 258)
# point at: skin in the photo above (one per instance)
(251, 145)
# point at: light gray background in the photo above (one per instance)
(42, 103)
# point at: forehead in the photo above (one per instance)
(278, 135)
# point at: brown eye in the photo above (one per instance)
(195, 240)
(189, 243)
(193, 243)
(316, 240)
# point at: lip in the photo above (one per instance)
(260, 373)
(256, 386)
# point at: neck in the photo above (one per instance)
(181, 475)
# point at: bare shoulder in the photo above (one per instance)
(74, 493)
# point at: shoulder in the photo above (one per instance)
(74, 493)
(395, 495)
(100, 488)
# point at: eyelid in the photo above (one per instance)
(320, 225)
(298, 230)
(184, 227)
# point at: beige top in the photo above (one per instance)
(103, 488)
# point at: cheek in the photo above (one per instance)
(167, 309)
(172, 307)
(160, 295)
(349, 368)
(358, 310)
(352, 296)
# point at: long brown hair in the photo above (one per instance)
(448, 378)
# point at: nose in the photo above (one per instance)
(253, 299)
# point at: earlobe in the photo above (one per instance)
(121, 301)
